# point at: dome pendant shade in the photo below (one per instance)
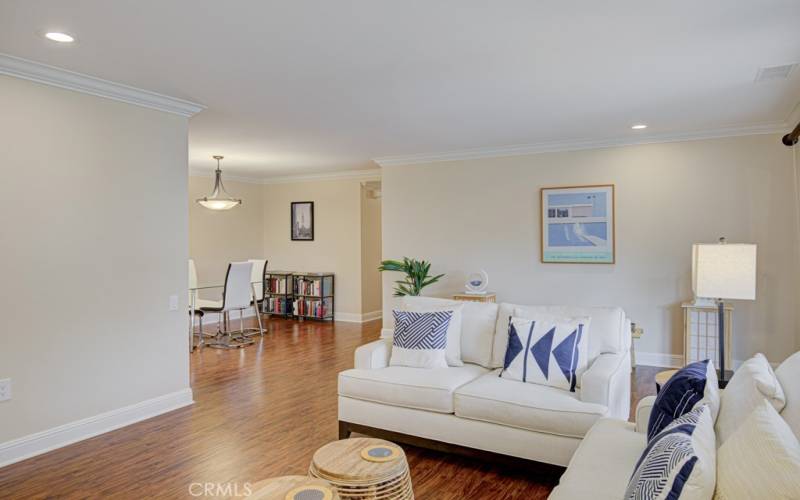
(219, 199)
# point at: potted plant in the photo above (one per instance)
(416, 278)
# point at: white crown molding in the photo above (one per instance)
(70, 80)
(563, 146)
(63, 435)
(372, 174)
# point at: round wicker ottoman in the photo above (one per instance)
(364, 469)
(293, 488)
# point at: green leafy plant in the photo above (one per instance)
(416, 278)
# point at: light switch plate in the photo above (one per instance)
(5, 389)
(173, 302)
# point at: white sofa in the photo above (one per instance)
(470, 408)
(604, 462)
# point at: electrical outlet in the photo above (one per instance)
(5, 389)
(173, 302)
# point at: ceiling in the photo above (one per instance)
(303, 87)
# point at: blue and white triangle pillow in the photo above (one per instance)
(546, 350)
(420, 339)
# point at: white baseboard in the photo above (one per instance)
(372, 316)
(676, 360)
(358, 318)
(57, 437)
(659, 359)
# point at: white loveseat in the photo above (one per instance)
(470, 408)
(604, 462)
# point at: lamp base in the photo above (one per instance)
(722, 381)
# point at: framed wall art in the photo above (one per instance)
(578, 224)
(302, 221)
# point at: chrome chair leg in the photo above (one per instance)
(226, 339)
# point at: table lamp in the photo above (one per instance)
(724, 271)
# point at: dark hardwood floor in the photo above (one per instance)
(259, 412)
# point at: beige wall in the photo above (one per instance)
(337, 235)
(219, 237)
(484, 214)
(94, 241)
(371, 286)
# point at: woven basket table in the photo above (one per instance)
(293, 488)
(364, 469)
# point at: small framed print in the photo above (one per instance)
(302, 217)
(578, 224)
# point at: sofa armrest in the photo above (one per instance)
(373, 355)
(608, 382)
(643, 409)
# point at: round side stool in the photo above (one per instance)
(364, 468)
(293, 488)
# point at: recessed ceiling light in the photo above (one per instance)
(639, 126)
(57, 36)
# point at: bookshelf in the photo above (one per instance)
(313, 296)
(278, 293)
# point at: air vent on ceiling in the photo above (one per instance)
(775, 72)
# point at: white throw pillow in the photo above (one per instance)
(477, 332)
(547, 351)
(430, 304)
(761, 459)
(788, 374)
(420, 339)
(679, 462)
(751, 383)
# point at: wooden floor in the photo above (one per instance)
(259, 412)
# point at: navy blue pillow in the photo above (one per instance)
(692, 384)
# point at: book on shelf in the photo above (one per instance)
(278, 305)
(315, 308)
(276, 285)
(314, 286)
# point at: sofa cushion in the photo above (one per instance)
(421, 388)
(526, 406)
(753, 382)
(607, 335)
(603, 463)
(761, 459)
(430, 304)
(788, 374)
(477, 332)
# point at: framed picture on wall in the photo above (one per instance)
(578, 224)
(302, 221)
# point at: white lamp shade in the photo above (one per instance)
(724, 271)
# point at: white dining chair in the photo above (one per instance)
(236, 296)
(257, 281)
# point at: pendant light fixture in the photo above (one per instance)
(219, 199)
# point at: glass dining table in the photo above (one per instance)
(193, 292)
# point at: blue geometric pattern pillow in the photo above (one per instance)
(547, 351)
(679, 462)
(420, 339)
(692, 385)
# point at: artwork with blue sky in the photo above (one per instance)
(596, 198)
(578, 224)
